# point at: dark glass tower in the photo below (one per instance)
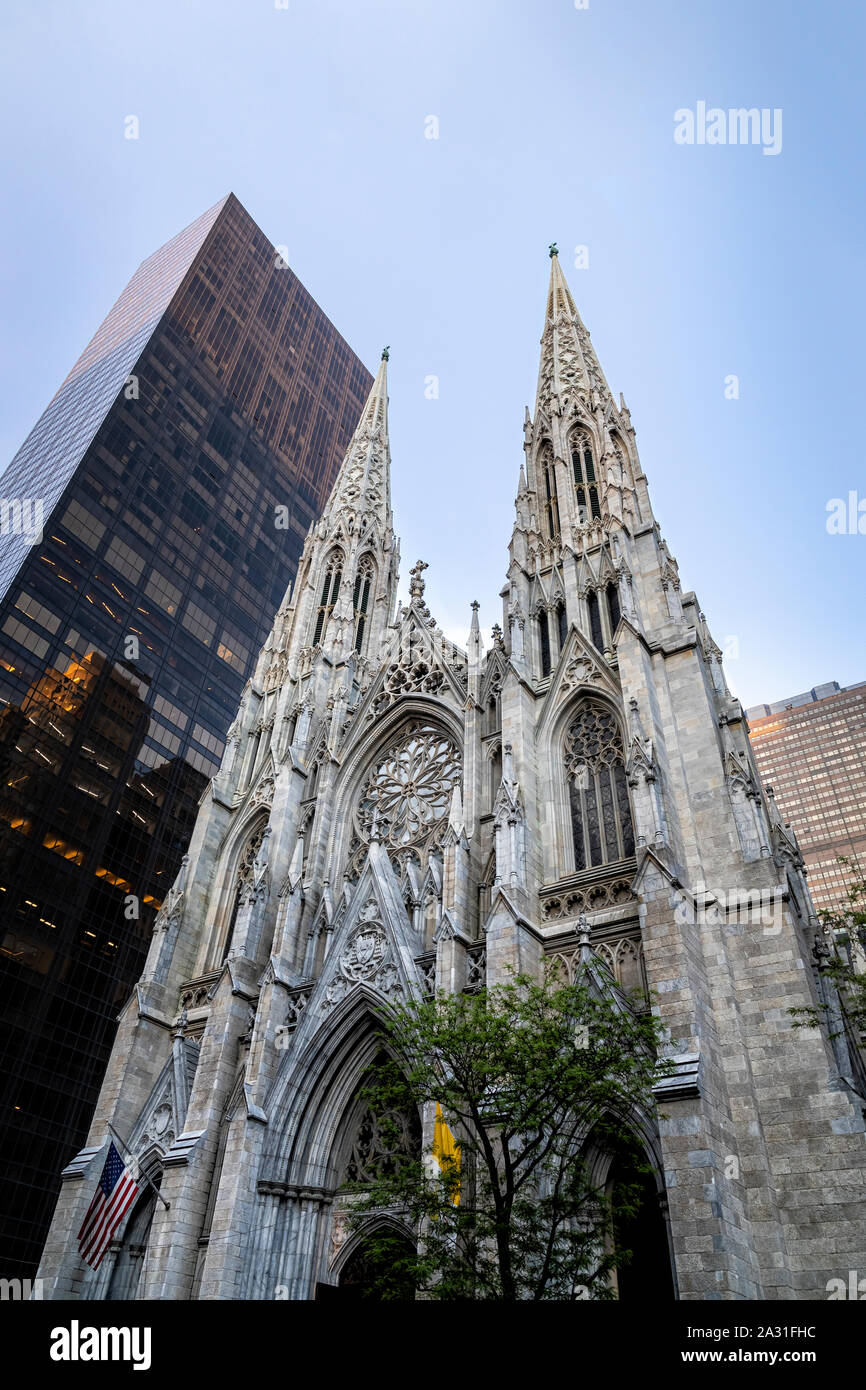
(149, 526)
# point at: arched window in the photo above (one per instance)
(544, 640)
(406, 797)
(551, 499)
(601, 823)
(493, 716)
(561, 625)
(594, 611)
(491, 720)
(244, 877)
(381, 1142)
(330, 591)
(586, 486)
(495, 775)
(613, 608)
(361, 599)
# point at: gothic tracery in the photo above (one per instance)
(405, 798)
(601, 821)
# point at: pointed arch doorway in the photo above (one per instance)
(642, 1229)
(373, 1260)
(374, 1256)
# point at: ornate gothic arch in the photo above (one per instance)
(657, 1265)
(593, 757)
(405, 796)
(332, 576)
(234, 870)
(312, 1103)
(345, 1244)
(365, 757)
(363, 595)
(584, 462)
(586, 739)
(312, 1092)
(622, 448)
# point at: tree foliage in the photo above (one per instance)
(839, 956)
(525, 1074)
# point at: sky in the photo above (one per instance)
(554, 121)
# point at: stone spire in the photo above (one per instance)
(582, 467)
(569, 371)
(346, 588)
(363, 484)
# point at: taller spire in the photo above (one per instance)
(347, 577)
(569, 368)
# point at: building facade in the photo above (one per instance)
(394, 815)
(811, 749)
(149, 526)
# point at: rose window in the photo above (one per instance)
(406, 797)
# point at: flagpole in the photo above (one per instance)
(141, 1172)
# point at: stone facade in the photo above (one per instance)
(394, 814)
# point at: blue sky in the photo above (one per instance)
(554, 124)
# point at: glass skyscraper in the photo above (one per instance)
(149, 526)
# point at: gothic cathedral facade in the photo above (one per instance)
(395, 815)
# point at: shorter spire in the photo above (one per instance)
(475, 647)
(364, 476)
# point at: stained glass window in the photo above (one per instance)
(361, 599)
(562, 625)
(583, 467)
(406, 797)
(551, 500)
(601, 821)
(595, 620)
(330, 592)
(613, 607)
(544, 638)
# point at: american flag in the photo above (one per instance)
(114, 1194)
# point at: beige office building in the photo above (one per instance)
(811, 749)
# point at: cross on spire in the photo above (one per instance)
(416, 581)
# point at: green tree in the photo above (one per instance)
(524, 1074)
(839, 954)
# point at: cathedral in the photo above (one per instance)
(394, 815)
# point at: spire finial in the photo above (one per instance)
(416, 581)
(386, 353)
(553, 250)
